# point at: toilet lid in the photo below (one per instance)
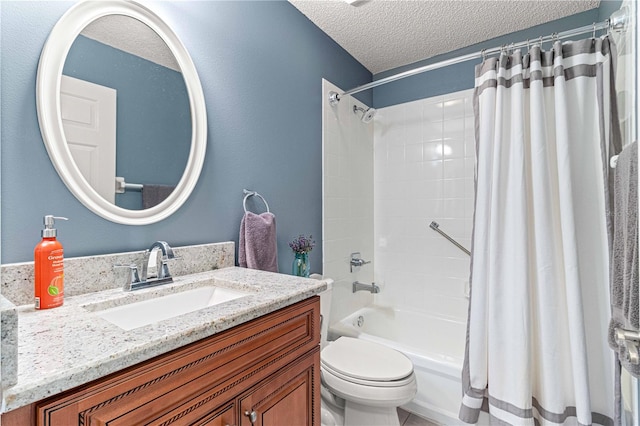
(365, 360)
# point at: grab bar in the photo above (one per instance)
(629, 339)
(436, 227)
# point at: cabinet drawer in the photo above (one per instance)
(190, 383)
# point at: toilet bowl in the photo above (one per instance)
(363, 382)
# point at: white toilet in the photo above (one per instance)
(363, 382)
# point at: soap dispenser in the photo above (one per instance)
(48, 258)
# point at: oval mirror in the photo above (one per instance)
(121, 113)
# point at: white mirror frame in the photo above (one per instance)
(50, 68)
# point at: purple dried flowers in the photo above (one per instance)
(302, 244)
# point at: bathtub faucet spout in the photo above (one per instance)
(373, 288)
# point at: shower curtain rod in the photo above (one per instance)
(617, 22)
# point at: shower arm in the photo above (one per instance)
(436, 227)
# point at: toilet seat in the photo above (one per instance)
(366, 363)
(370, 383)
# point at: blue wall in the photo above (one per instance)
(461, 76)
(261, 65)
(153, 117)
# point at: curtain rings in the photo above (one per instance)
(594, 30)
(505, 50)
(483, 52)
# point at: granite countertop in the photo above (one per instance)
(61, 348)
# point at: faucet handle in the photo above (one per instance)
(356, 261)
(132, 267)
(133, 274)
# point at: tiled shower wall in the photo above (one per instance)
(423, 171)
(347, 200)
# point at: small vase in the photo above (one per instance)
(301, 265)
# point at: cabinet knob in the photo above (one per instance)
(253, 416)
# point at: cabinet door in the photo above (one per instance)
(224, 417)
(291, 397)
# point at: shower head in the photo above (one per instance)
(367, 114)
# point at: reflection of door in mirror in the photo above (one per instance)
(153, 132)
(89, 120)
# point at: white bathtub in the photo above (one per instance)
(435, 345)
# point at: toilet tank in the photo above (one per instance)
(325, 308)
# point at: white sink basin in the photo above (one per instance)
(147, 312)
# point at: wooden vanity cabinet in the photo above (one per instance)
(284, 398)
(264, 372)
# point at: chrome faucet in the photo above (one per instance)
(356, 261)
(167, 253)
(358, 286)
(137, 281)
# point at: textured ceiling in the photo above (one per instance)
(132, 36)
(385, 34)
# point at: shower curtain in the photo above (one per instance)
(546, 125)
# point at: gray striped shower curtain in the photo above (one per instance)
(546, 125)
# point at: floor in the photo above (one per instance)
(409, 419)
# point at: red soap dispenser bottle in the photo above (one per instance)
(48, 259)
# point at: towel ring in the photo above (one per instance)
(249, 194)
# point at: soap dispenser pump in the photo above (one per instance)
(48, 260)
